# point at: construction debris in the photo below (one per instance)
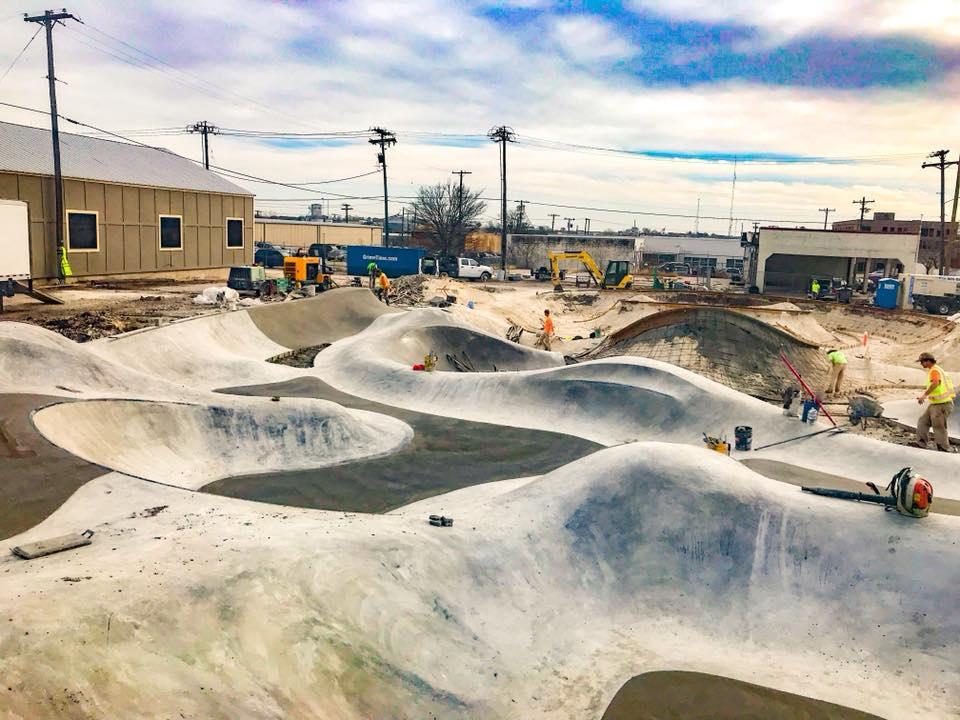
(40, 548)
(407, 290)
(85, 326)
(299, 358)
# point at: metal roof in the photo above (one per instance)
(25, 149)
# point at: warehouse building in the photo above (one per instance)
(785, 259)
(295, 234)
(128, 209)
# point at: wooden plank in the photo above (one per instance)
(53, 545)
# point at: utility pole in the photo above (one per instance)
(826, 214)
(942, 164)
(403, 225)
(384, 138)
(696, 224)
(461, 173)
(205, 129)
(586, 226)
(346, 212)
(518, 223)
(569, 223)
(863, 202)
(48, 20)
(733, 192)
(502, 135)
(554, 216)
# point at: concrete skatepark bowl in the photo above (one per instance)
(604, 544)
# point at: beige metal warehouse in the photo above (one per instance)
(129, 209)
(304, 233)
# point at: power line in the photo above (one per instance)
(863, 202)
(503, 135)
(826, 214)
(48, 21)
(384, 138)
(205, 129)
(20, 54)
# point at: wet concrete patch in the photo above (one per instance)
(677, 695)
(36, 477)
(445, 454)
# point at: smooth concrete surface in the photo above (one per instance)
(545, 596)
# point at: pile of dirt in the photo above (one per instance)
(299, 358)
(88, 325)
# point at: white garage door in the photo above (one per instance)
(14, 240)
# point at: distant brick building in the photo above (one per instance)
(927, 229)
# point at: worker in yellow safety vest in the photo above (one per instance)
(383, 288)
(838, 363)
(940, 392)
(815, 288)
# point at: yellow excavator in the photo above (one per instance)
(617, 275)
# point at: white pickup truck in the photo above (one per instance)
(460, 267)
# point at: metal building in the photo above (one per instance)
(128, 209)
(304, 233)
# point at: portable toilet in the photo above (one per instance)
(887, 293)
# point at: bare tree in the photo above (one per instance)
(443, 213)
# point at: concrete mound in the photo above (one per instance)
(41, 361)
(542, 599)
(473, 350)
(730, 347)
(192, 445)
(328, 317)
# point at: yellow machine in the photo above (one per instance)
(306, 271)
(617, 275)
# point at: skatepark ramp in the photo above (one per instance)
(190, 445)
(730, 347)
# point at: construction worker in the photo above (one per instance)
(838, 363)
(940, 392)
(545, 338)
(373, 272)
(815, 288)
(383, 288)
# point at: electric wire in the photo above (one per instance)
(20, 54)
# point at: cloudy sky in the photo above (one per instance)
(637, 106)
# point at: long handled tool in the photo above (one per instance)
(847, 495)
(806, 387)
(835, 430)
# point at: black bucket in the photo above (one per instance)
(744, 437)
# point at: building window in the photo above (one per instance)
(234, 232)
(171, 232)
(83, 231)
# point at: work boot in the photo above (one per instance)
(946, 449)
(917, 444)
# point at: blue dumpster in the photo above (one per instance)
(887, 293)
(394, 261)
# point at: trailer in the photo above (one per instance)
(937, 294)
(15, 253)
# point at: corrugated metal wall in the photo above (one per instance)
(305, 234)
(128, 226)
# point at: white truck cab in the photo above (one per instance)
(472, 270)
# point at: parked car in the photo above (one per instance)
(328, 252)
(465, 268)
(268, 257)
(675, 268)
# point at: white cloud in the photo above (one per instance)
(588, 39)
(465, 74)
(935, 20)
